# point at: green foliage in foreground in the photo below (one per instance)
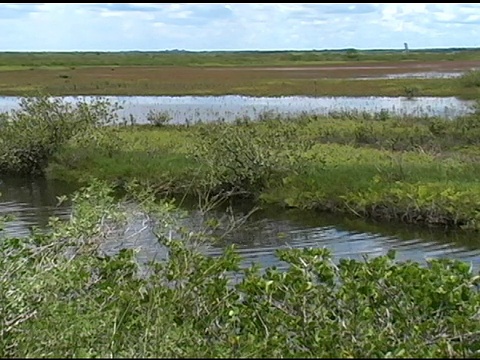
(62, 296)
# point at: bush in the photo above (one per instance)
(411, 92)
(158, 118)
(31, 135)
(471, 78)
(247, 157)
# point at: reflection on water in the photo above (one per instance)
(192, 109)
(33, 201)
(348, 237)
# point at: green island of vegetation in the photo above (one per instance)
(62, 296)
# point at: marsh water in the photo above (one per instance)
(417, 75)
(193, 109)
(33, 201)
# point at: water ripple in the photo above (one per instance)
(259, 239)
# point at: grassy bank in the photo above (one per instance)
(63, 296)
(414, 170)
(417, 170)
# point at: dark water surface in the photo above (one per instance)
(33, 201)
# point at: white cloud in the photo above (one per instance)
(236, 26)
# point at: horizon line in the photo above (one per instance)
(248, 50)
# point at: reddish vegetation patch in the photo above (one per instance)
(207, 74)
(263, 81)
(362, 69)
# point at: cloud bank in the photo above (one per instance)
(227, 26)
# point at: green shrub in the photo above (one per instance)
(159, 118)
(32, 134)
(247, 157)
(411, 92)
(63, 296)
(471, 78)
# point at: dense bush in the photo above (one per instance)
(248, 158)
(31, 135)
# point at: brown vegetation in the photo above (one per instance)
(333, 79)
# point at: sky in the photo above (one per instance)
(236, 26)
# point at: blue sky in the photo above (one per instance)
(234, 26)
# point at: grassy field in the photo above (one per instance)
(196, 81)
(230, 58)
(246, 73)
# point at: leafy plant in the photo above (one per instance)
(63, 295)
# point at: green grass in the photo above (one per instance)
(417, 170)
(228, 58)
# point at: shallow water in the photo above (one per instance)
(192, 109)
(33, 201)
(416, 75)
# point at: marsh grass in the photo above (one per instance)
(202, 81)
(412, 169)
